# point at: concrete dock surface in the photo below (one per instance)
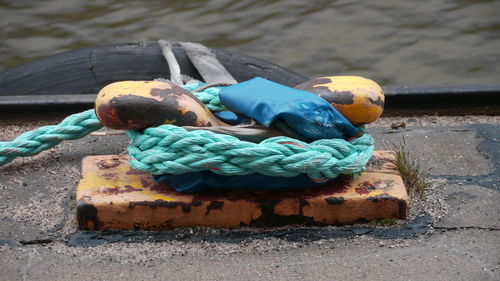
(451, 234)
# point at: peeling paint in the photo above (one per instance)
(131, 200)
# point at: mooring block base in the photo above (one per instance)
(112, 195)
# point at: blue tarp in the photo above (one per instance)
(272, 104)
(301, 114)
(198, 181)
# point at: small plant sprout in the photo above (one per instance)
(414, 179)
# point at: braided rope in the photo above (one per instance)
(208, 96)
(33, 142)
(79, 125)
(171, 149)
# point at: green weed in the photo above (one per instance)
(414, 179)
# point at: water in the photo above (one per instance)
(427, 42)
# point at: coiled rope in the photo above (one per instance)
(171, 149)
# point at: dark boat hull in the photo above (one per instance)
(70, 80)
(86, 71)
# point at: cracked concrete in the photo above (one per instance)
(428, 145)
(461, 242)
(471, 206)
(453, 255)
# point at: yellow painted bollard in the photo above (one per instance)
(131, 105)
(359, 100)
(111, 195)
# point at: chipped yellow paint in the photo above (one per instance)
(128, 199)
(140, 104)
(348, 83)
(367, 96)
(155, 197)
(204, 115)
(97, 179)
(136, 88)
(361, 111)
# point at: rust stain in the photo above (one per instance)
(110, 176)
(362, 190)
(139, 104)
(108, 163)
(145, 183)
(118, 190)
(159, 188)
(135, 172)
(132, 200)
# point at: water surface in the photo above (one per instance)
(427, 42)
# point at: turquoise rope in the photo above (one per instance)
(77, 126)
(171, 149)
(210, 96)
(33, 142)
(192, 87)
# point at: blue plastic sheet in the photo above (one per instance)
(299, 113)
(198, 181)
(303, 113)
(231, 118)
